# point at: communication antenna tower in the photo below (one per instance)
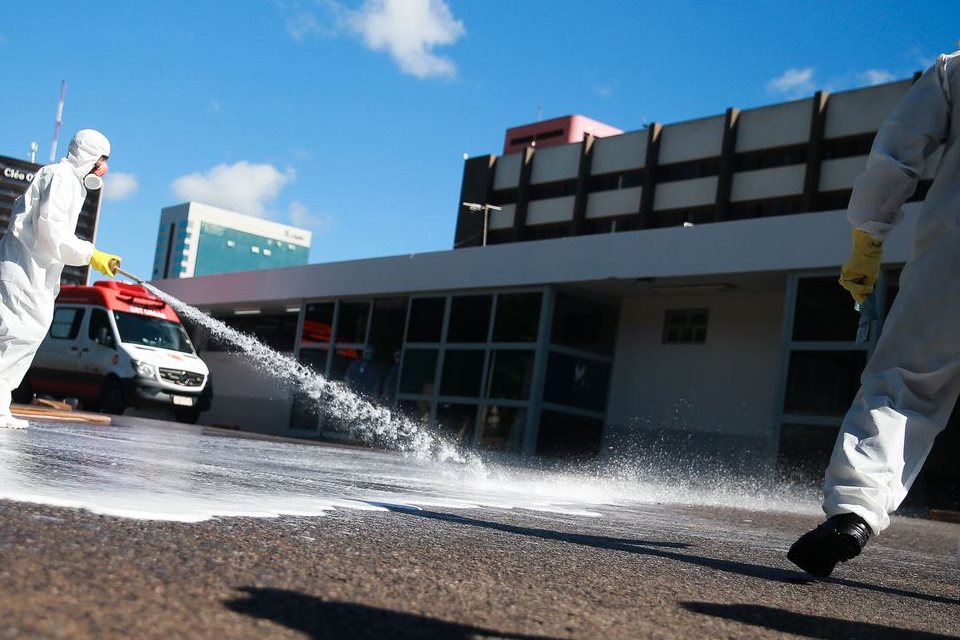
(56, 127)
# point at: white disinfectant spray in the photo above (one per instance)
(368, 421)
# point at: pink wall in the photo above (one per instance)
(556, 131)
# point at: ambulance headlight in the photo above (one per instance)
(145, 370)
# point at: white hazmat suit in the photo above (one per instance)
(912, 380)
(40, 240)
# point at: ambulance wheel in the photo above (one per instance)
(187, 416)
(112, 398)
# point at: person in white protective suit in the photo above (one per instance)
(40, 240)
(912, 380)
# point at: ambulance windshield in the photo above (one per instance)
(152, 332)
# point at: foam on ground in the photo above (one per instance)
(160, 471)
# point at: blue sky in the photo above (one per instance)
(351, 117)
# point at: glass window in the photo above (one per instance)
(99, 329)
(518, 317)
(317, 323)
(584, 324)
(462, 372)
(823, 382)
(342, 359)
(685, 326)
(469, 318)
(365, 376)
(391, 381)
(352, 322)
(419, 369)
(502, 428)
(566, 436)
(66, 323)
(457, 421)
(576, 382)
(277, 331)
(305, 414)
(824, 311)
(221, 250)
(426, 319)
(510, 374)
(152, 332)
(386, 329)
(315, 359)
(416, 410)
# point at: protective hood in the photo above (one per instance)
(85, 149)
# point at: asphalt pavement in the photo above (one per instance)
(404, 566)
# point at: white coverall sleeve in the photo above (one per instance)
(915, 128)
(55, 230)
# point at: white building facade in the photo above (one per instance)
(195, 239)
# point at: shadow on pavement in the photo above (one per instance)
(333, 620)
(604, 542)
(661, 550)
(805, 625)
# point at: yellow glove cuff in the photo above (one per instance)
(105, 263)
(861, 271)
(867, 246)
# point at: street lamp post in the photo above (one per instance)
(486, 209)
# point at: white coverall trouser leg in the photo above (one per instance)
(908, 391)
(25, 318)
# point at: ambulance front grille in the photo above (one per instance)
(181, 377)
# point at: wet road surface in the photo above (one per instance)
(363, 543)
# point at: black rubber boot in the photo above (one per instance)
(838, 539)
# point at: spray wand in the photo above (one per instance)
(115, 265)
(868, 314)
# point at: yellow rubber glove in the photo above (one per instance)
(105, 263)
(861, 271)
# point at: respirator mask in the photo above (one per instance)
(92, 181)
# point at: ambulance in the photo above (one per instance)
(114, 345)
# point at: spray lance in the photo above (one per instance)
(868, 313)
(115, 265)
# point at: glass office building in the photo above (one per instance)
(223, 249)
(197, 240)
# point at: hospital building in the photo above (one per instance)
(671, 289)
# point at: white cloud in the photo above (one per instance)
(800, 82)
(603, 90)
(868, 78)
(300, 216)
(119, 186)
(242, 186)
(793, 82)
(304, 24)
(872, 77)
(409, 30)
